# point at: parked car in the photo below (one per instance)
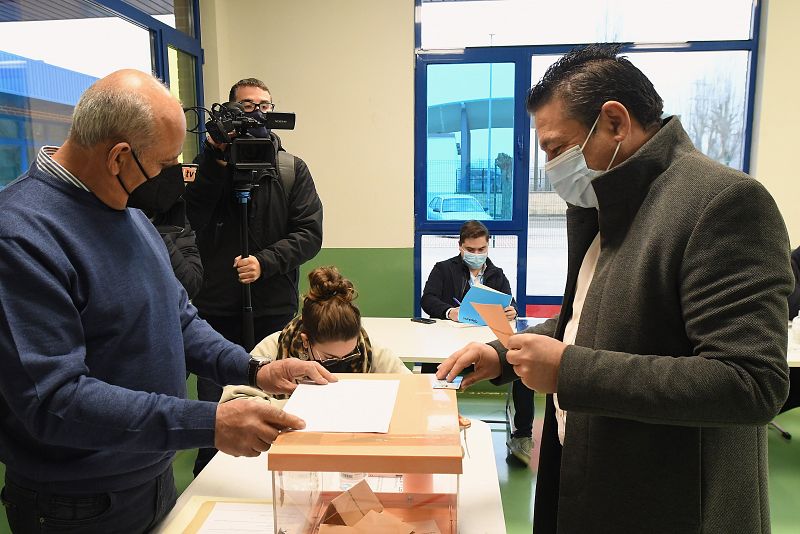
(456, 208)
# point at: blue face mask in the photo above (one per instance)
(572, 178)
(474, 261)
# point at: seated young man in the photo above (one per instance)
(447, 284)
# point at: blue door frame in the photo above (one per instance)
(518, 225)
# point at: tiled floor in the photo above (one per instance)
(516, 482)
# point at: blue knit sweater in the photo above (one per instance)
(96, 336)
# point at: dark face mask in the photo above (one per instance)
(157, 194)
(340, 365)
(261, 131)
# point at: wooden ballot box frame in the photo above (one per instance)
(423, 446)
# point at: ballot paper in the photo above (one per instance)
(238, 518)
(345, 406)
(495, 319)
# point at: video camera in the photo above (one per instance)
(249, 156)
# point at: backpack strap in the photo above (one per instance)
(286, 171)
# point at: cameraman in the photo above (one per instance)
(284, 230)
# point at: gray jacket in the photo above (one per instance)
(680, 357)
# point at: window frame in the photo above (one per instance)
(162, 36)
(522, 56)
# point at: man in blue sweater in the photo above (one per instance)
(97, 335)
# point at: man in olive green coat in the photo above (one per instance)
(669, 355)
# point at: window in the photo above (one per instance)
(40, 83)
(470, 126)
(183, 87)
(700, 56)
(459, 24)
(708, 91)
(178, 14)
(503, 252)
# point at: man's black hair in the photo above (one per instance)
(588, 77)
(247, 82)
(472, 230)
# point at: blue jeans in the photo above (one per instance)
(132, 510)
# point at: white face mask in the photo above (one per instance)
(572, 178)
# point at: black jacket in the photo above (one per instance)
(285, 230)
(449, 280)
(183, 254)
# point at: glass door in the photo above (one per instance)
(469, 154)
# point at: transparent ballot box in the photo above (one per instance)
(401, 482)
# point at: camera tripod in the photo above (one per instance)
(242, 192)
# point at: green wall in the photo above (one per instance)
(383, 277)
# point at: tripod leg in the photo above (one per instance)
(784, 434)
(243, 197)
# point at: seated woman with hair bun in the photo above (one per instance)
(328, 330)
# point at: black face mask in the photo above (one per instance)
(261, 131)
(157, 194)
(340, 365)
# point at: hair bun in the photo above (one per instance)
(326, 283)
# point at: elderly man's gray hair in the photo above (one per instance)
(109, 114)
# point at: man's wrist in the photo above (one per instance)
(253, 367)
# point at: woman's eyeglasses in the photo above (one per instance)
(329, 358)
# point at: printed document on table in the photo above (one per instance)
(345, 406)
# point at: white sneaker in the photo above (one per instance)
(521, 448)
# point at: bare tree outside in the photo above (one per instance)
(716, 122)
(505, 163)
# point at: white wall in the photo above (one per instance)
(776, 132)
(346, 67)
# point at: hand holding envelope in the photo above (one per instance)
(536, 359)
(495, 318)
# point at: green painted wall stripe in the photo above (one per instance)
(383, 277)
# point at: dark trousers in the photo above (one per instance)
(522, 399)
(231, 329)
(129, 511)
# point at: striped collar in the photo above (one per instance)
(45, 161)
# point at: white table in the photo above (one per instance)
(793, 354)
(480, 510)
(423, 343)
(432, 343)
